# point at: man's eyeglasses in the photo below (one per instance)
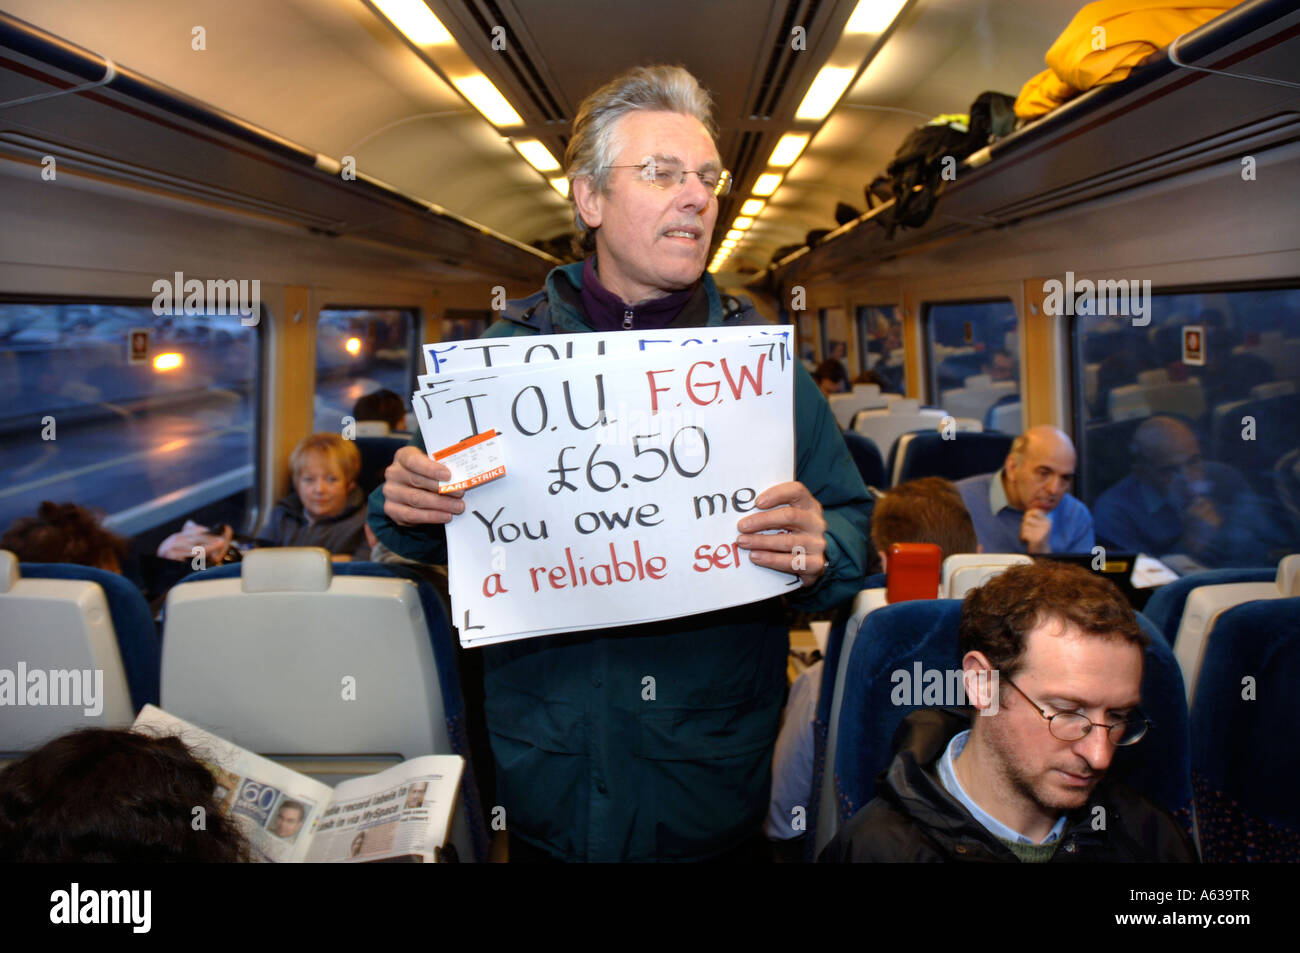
(1073, 725)
(671, 176)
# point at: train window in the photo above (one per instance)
(974, 372)
(836, 333)
(880, 346)
(1188, 433)
(463, 324)
(147, 418)
(359, 351)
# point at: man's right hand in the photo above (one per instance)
(1035, 529)
(411, 496)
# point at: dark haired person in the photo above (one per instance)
(381, 406)
(1022, 781)
(110, 796)
(66, 533)
(72, 534)
(926, 510)
(831, 377)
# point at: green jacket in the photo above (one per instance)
(587, 768)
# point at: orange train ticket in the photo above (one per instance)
(473, 461)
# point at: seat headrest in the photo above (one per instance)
(372, 428)
(1288, 576)
(9, 573)
(287, 569)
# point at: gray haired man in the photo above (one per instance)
(587, 767)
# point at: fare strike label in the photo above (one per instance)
(472, 462)
(627, 477)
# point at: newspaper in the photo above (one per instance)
(401, 814)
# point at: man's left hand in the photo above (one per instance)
(800, 547)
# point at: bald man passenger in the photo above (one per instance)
(1026, 507)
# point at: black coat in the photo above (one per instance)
(343, 534)
(914, 819)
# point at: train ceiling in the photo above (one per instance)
(336, 77)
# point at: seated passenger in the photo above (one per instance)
(999, 365)
(1174, 503)
(871, 377)
(1025, 506)
(1024, 781)
(326, 508)
(928, 510)
(72, 534)
(831, 377)
(111, 796)
(382, 407)
(66, 533)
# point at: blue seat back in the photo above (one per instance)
(444, 645)
(1165, 607)
(1159, 766)
(137, 636)
(821, 723)
(1000, 402)
(1278, 427)
(376, 454)
(960, 456)
(866, 455)
(1108, 459)
(893, 638)
(1246, 735)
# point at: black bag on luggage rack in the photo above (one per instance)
(917, 174)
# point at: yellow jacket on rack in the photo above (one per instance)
(1105, 41)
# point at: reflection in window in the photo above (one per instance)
(974, 373)
(1194, 453)
(880, 349)
(360, 351)
(146, 437)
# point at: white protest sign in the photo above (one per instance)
(625, 478)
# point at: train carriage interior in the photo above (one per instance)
(223, 224)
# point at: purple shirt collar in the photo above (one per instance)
(607, 311)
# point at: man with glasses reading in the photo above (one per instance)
(588, 768)
(1052, 659)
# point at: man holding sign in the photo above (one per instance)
(649, 741)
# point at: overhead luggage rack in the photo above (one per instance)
(1165, 120)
